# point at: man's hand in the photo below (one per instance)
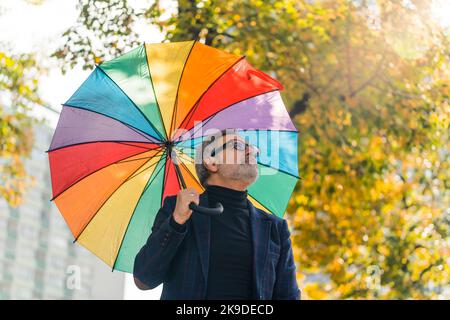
(140, 284)
(184, 197)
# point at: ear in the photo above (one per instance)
(210, 164)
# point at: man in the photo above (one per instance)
(243, 253)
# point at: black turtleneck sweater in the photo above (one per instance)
(230, 274)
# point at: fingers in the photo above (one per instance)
(194, 196)
(191, 194)
(184, 198)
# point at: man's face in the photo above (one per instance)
(233, 163)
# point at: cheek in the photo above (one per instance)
(227, 169)
(231, 158)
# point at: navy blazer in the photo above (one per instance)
(180, 260)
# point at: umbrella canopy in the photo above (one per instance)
(111, 156)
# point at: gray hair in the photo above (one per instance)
(203, 173)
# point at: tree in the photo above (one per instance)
(368, 86)
(18, 94)
(103, 30)
(19, 83)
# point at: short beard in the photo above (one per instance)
(242, 172)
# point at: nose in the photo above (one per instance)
(250, 149)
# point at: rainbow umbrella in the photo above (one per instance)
(126, 139)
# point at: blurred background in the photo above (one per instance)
(367, 83)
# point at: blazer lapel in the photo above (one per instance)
(260, 227)
(202, 229)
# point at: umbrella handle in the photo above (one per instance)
(193, 206)
(205, 210)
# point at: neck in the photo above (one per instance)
(231, 184)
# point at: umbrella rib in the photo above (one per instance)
(124, 161)
(183, 156)
(154, 94)
(165, 178)
(162, 157)
(92, 217)
(125, 124)
(115, 162)
(192, 111)
(190, 173)
(134, 211)
(131, 160)
(134, 104)
(260, 203)
(138, 173)
(217, 112)
(280, 170)
(100, 141)
(132, 145)
(138, 132)
(174, 112)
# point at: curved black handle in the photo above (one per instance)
(205, 210)
(194, 207)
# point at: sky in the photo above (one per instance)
(27, 28)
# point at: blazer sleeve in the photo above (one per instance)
(153, 261)
(286, 287)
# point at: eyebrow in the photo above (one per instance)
(223, 143)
